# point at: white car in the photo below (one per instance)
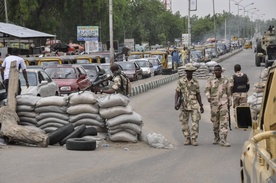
(40, 84)
(146, 67)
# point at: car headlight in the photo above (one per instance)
(65, 88)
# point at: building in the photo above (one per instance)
(168, 4)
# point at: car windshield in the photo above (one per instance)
(143, 63)
(106, 68)
(31, 79)
(91, 73)
(154, 61)
(127, 65)
(157, 56)
(61, 73)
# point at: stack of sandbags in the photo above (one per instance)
(51, 113)
(122, 122)
(202, 70)
(83, 109)
(25, 109)
(264, 74)
(255, 100)
(211, 66)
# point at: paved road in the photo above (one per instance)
(139, 163)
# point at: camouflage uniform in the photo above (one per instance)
(190, 106)
(239, 98)
(219, 94)
(120, 80)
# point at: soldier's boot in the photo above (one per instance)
(223, 142)
(187, 141)
(194, 143)
(216, 139)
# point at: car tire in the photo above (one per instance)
(259, 46)
(60, 133)
(80, 144)
(257, 60)
(89, 131)
(75, 134)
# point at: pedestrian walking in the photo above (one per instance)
(175, 58)
(240, 85)
(5, 69)
(218, 93)
(184, 55)
(188, 88)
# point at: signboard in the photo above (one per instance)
(129, 43)
(91, 46)
(186, 39)
(193, 5)
(87, 33)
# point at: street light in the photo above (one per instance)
(238, 3)
(243, 14)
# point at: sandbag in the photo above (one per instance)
(76, 117)
(51, 120)
(28, 119)
(85, 97)
(52, 101)
(91, 122)
(130, 126)
(27, 100)
(58, 109)
(112, 112)
(27, 114)
(24, 108)
(123, 137)
(112, 132)
(113, 100)
(125, 118)
(52, 115)
(83, 108)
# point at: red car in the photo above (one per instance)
(70, 78)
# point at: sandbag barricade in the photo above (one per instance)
(122, 122)
(111, 114)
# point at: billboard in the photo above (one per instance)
(87, 33)
(91, 46)
(129, 43)
(186, 39)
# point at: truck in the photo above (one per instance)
(258, 158)
(265, 51)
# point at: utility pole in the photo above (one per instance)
(6, 11)
(215, 29)
(111, 49)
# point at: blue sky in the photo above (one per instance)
(205, 7)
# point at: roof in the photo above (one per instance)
(22, 32)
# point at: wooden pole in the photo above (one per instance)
(13, 86)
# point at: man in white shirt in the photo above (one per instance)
(5, 69)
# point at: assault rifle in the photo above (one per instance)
(229, 116)
(100, 81)
(179, 101)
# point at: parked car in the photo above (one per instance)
(156, 65)
(146, 67)
(70, 78)
(40, 84)
(131, 69)
(106, 67)
(95, 72)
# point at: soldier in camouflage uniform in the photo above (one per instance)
(239, 83)
(121, 83)
(189, 89)
(218, 93)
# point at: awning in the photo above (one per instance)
(7, 30)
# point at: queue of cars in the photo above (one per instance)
(56, 76)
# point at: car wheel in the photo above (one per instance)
(75, 134)
(257, 61)
(80, 144)
(60, 133)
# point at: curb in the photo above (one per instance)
(141, 88)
